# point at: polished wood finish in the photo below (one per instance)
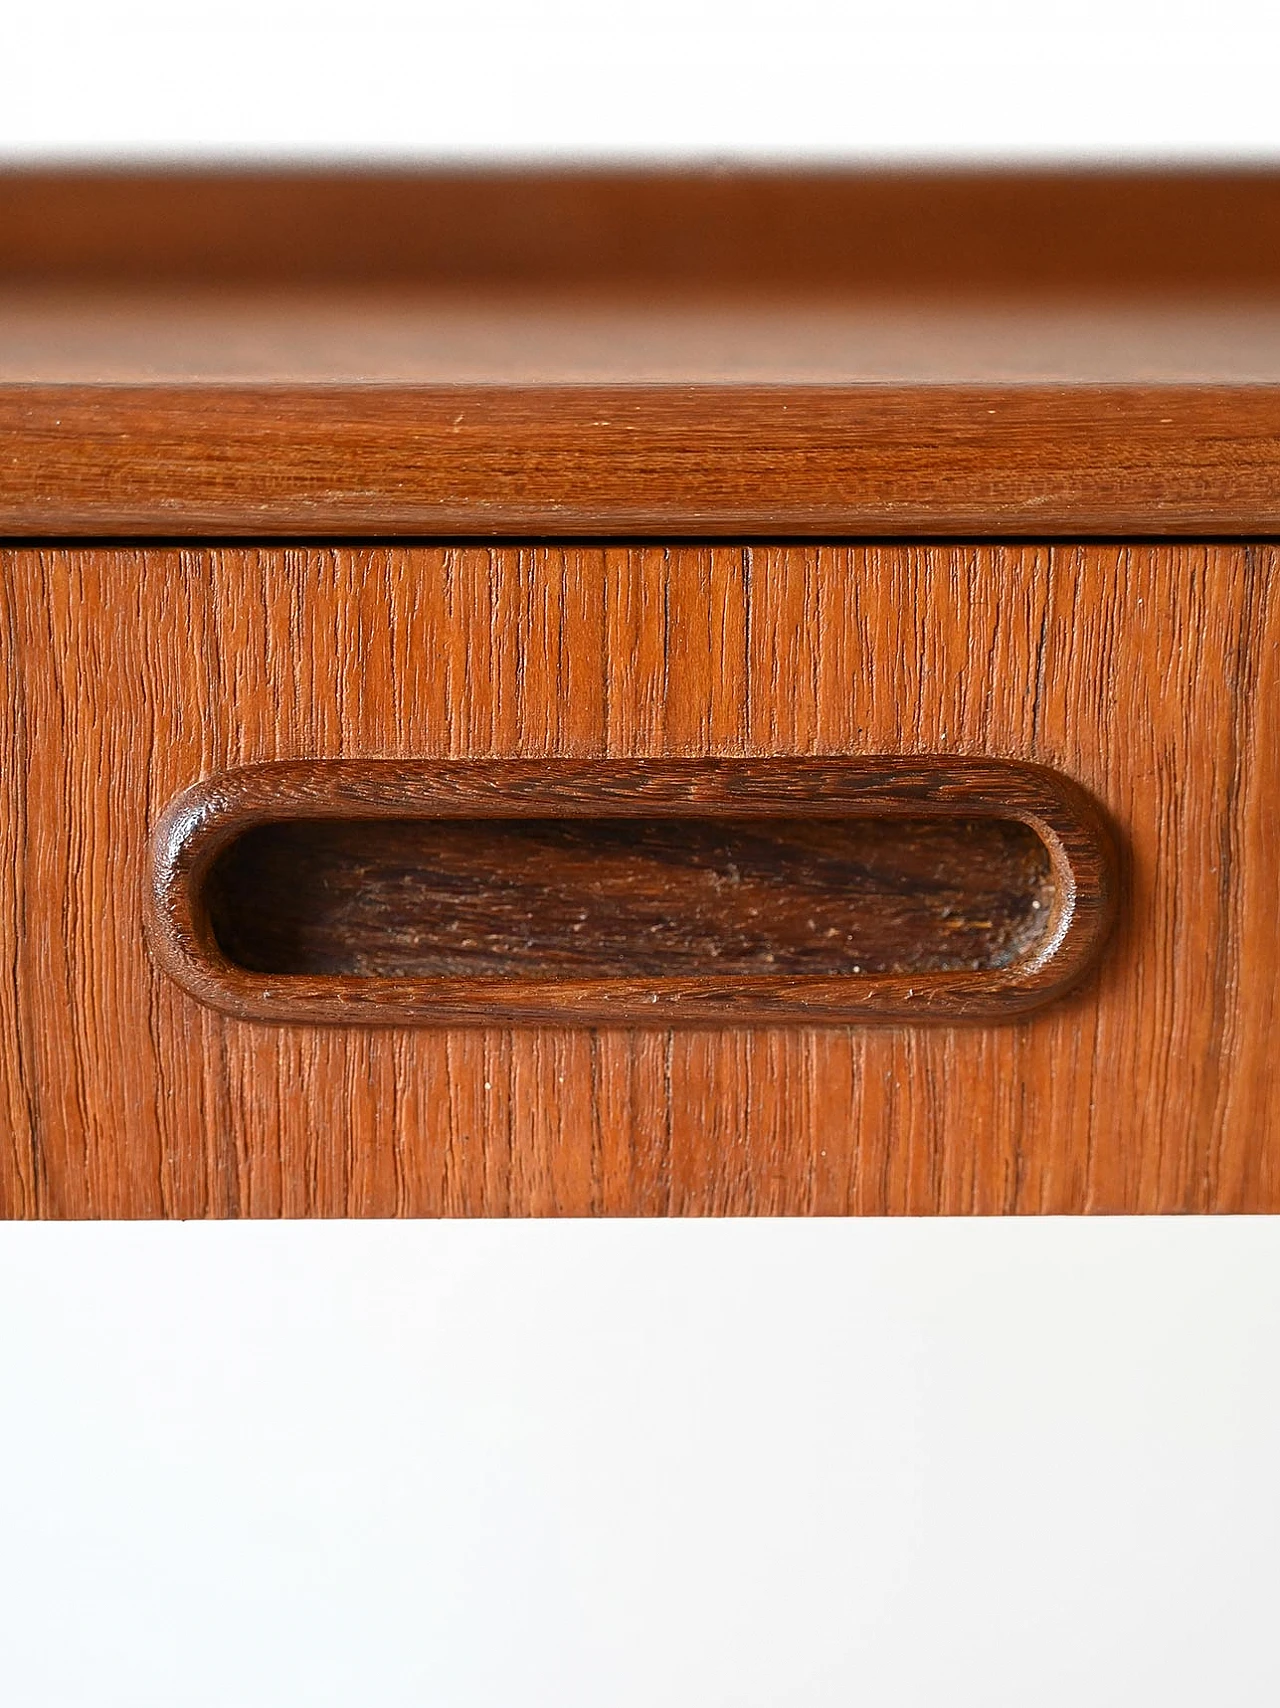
(636, 460)
(1145, 672)
(1064, 230)
(701, 354)
(630, 891)
(434, 339)
(639, 357)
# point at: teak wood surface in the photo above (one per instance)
(714, 354)
(1146, 672)
(638, 357)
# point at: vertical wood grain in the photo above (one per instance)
(1148, 672)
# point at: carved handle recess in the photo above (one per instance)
(664, 891)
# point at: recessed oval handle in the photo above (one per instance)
(700, 891)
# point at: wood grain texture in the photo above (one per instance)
(673, 459)
(645, 898)
(712, 355)
(574, 891)
(1149, 673)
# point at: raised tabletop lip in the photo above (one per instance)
(1181, 448)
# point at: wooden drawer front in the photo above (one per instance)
(1150, 674)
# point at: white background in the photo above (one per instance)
(705, 1465)
(742, 1465)
(661, 77)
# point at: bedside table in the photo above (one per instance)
(616, 694)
